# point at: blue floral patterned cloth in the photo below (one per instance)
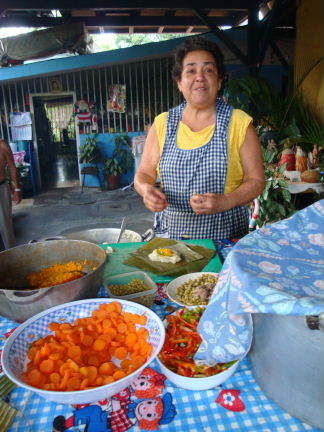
(278, 269)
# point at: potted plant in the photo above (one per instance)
(120, 162)
(90, 152)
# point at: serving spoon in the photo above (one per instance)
(122, 229)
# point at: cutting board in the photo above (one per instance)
(122, 251)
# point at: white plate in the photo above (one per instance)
(172, 287)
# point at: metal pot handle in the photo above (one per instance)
(148, 235)
(315, 322)
(48, 239)
(27, 295)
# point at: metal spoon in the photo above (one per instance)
(122, 229)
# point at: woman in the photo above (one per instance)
(6, 226)
(207, 155)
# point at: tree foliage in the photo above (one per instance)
(129, 40)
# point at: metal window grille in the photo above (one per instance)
(149, 91)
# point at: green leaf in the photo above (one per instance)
(6, 386)
(281, 209)
(286, 194)
(282, 183)
(7, 416)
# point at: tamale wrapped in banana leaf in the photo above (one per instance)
(193, 257)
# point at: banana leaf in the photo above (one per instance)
(194, 258)
(7, 416)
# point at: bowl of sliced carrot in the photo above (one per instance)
(83, 351)
(176, 358)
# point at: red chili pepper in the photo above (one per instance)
(179, 315)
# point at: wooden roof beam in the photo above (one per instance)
(221, 35)
(129, 4)
(153, 21)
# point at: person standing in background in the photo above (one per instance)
(8, 194)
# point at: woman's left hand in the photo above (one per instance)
(209, 203)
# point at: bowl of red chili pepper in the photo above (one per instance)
(182, 341)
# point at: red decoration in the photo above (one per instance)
(230, 399)
(288, 157)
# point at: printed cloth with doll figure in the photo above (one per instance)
(152, 402)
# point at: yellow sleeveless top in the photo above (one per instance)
(236, 135)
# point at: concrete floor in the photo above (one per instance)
(67, 209)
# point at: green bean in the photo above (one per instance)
(185, 291)
(133, 287)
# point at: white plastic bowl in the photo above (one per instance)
(16, 347)
(197, 383)
(172, 287)
(194, 384)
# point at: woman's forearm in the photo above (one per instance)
(245, 193)
(142, 181)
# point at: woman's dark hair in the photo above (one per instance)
(197, 43)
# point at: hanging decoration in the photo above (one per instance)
(86, 116)
(117, 98)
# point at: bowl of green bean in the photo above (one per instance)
(192, 289)
(133, 286)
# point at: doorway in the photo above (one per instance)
(56, 140)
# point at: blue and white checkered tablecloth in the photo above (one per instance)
(196, 411)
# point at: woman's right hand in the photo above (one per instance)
(154, 199)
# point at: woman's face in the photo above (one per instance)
(199, 81)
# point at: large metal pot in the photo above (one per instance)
(287, 362)
(20, 261)
(108, 235)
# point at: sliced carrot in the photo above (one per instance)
(55, 377)
(32, 353)
(125, 363)
(79, 356)
(121, 353)
(34, 377)
(108, 380)
(92, 374)
(131, 327)
(84, 384)
(131, 338)
(47, 366)
(99, 345)
(93, 360)
(118, 307)
(98, 381)
(142, 319)
(106, 323)
(111, 331)
(73, 383)
(120, 337)
(87, 340)
(56, 356)
(74, 351)
(119, 374)
(110, 307)
(143, 332)
(84, 371)
(122, 327)
(54, 326)
(65, 326)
